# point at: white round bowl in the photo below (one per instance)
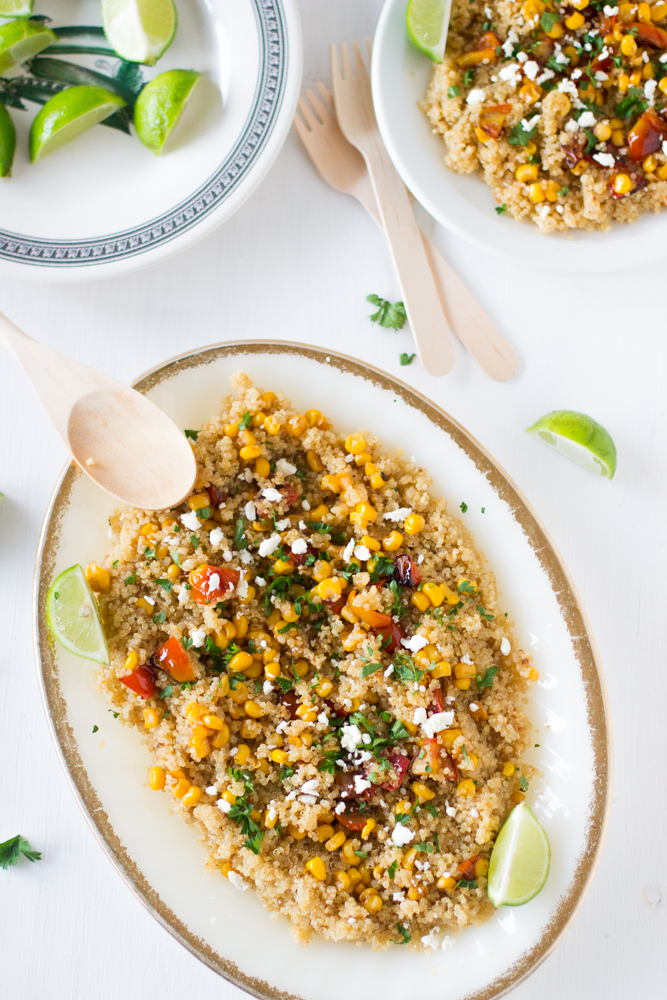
(161, 857)
(104, 204)
(464, 204)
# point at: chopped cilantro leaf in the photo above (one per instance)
(391, 870)
(407, 359)
(193, 435)
(518, 135)
(499, 209)
(165, 584)
(632, 104)
(131, 579)
(466, 884)
(370, 668)
(195, 541)
(167, 692)
(487, 679)
(285, 684)
(13, 848)
(464, 506)
(391, 316)
(96, 729)
(159, 617)
(245, 420)
(405, 934)
(454, 91)
(240, 540)
(523, 783)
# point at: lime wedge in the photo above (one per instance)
(67, 115)
(520, 858)
(21, 40)
(160, 105)
(428, 22)
(73, 617)
(7, 143)
(580, 438)
(15, 8)
(140, 30)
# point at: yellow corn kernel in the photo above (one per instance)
(250, 451)
(517, 797)
(343, 880)
(281, 757)
(250, 596)
(355, 444)
(348, 853)
(297, 426)
(241, 661)
(243, 754)
(463, 683)
(536, 193)
(324, 832)
(236, 710)
(231, 430)
(447, 883)
(649, 163)
(192, 796)
(441, 669)
(532, 9)
(422, 791)
(221, 738)
(295, 741)
(316, 867)
(263, 766)
(324, 688)
(635, 77)
(174, 572)
(414, 524)
(314, 418)
(575, 21)
(295, 832)
(336, 841)
(370, 469)
(270, 817)
(262, 468)
(354, 876)
(223, 686)
(466, 787)
(420, 600)
(292, 615)
(534, 674)
(180, 788)
(376, 480)
(408, 859)
(644, 12)
(258, 419)
(661, 173)
(618, 137)
(268, 399)
(426, 655)
(98, 577)
(372, 543)
(552, 189)
(573, 56)
(622, 184)
(331, 587)
(348, 614)
(526, 172)
(272, 669)
(404, 806)
(226, 868)
(368, 829)
(156, 779)
(151, 718)
(416, 891)
(254, 710)
(283, 567)
(435, 593)
(556, 31)
(193, 711)
(314, 461)
(530, 147)
(531, 92)
(271, 424)
(307, 712)
(659, 11)
(366, 511)
(363, 459)
(198, 501)
(648, 73)
(392, 541)
(449, 736)
(331, 483)
(481, 868)
(131, 660)
(372, 904)
(161, 551)
(508, 769)
(623, 83)
(465, 670)
(150, 529)
(602, 131)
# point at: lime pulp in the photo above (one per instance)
(520, 859)
(15, 8)
(67, 115)
(73, 616)
(139, 30)
(427, 23)
(22, 39)
(579, 438)
(160, 106)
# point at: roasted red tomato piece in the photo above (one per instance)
(141, 681)
(216, 496)
(347, 782)
(406, 572)
(650, 34)
(438, 704)
(489, 40)
(448, 768)
(211, 583)
(334, 607)
(467, 867)
(391, 636)
(647, 134)
(352, 821)
(288, 699)
(574, 150)
(391, 780)
(491, 120)
(172, 657)
(375, 619)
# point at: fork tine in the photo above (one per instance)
(311, 119)
(326, 94)
(336, 74)
(348, 72)
(320, 111)
(359, 59)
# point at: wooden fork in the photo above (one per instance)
(343, 167)
(356, 117)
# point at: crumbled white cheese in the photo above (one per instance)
(299, 546)
(389, 671)
(349, 459)
(223, 805)
(510, 74)
(287, 469)
(349, 549)
(213, 582)
(419, 717)
(420, 558)
(531, 69)
(649, 90)
(238, 881)
(398, 897)
(305, 505)
(282, 726)
(284, 524)
(399, 514)
(262, 583)
(562, 59)
(365, 738)
(227, 555)
(350, 738)
(610, 11)
(587, 120)
(216, 536)
(450, 810)
(505, 647)
(401, 835)
(245, 556)
(529, 123)
(546, 74)
(311, 787)
(414, 643)
(190, 520)
(271, 495)
(198, 637)
(437, 722)
(267, 687)
(340, 808)
(183, 596)
(447, 943)
(473, 706)
(242, 587)
(604, 159)
(466, 659)
(431, 940)
(323, 718)
(474, 812)
(361, 784)
(150, 600)
(568, 87)
(250, 511)
(211, 790)
(269, 545)
(571, 126)
(476, 96)
(362, 552)
(600, 75)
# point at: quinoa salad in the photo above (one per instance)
(313, 650)
(562, 107)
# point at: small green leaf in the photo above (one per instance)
(370, 668)
(96, 729)
(548, 20)
(193, 435)
(131, 579)
(245, 420)
(454, 91)
(407, 359)
(391, 316)
(499, 209)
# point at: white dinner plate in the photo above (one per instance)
(464, 204)
(104, 204)
(230, 930)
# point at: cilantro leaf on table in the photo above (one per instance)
(13, 848)
(407, 359)
(390, 315)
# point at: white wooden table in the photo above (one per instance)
(297, 262)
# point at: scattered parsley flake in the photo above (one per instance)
(245, 420)
(407, 359)
(391, 316)
(130, 579)
(499, 209)
(193, 435)
(454, 91)
(463, 506)
(96, 729)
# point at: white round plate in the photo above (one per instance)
(108, 769)
(464, 203)
(104, 204)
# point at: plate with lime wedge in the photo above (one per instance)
(544, 854)
(131, 128)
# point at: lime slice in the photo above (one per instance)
(73, 617)
(160, 105)
(520, 858)
(140, 30)
(21, 40)
(67, 115)
(7, 144)
(580, 438)
(15, 8)
(428, 23)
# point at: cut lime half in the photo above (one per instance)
(73, 616)
(21, 40)
(67, 115)
(520, 859)
(427, 23)
(15, 8)
(139, 30)
(160, 106)
(579, 438)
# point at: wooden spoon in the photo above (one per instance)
(125, 443)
